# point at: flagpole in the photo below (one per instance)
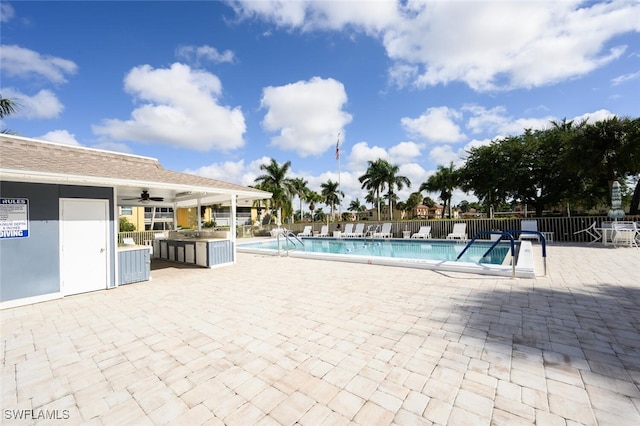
(338, 158)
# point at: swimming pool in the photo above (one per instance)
(424, 254)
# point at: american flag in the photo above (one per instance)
(338, 148)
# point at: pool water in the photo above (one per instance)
(406, 249)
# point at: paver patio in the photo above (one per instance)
(285, 341)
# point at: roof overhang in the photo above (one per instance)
(128, 191)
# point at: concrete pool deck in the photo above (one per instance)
(287, 341)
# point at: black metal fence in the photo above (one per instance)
(563, 228)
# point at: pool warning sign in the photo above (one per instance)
(14, 218)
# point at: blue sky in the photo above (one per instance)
(218, 88)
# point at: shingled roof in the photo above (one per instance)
(51, 162)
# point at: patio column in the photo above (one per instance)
(232, 228)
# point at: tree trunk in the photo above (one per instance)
(635, 201)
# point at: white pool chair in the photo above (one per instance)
(625, 234)
(324, 231)
(358, 231)
(128, 241)
(385, 232)
(371, 231)
(459, 232)
(592, 231)
(529, 225)
(348, 230)
(306, 232)
(423, 232)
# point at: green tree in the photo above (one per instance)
(275, 180)
(394, 180)
(331, 194)
(602, 152)
(312, 197)
(375, 179)
(299, 187)
(444, 181)
(356, 207)
(126, 226)
(7, 107)
(414, 200)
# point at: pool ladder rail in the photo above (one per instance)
(509, 234)
(289, 237)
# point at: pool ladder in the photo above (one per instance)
(509, 234)
(289, 237)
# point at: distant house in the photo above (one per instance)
(426, 212)
(59, 208)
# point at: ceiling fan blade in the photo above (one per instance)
(155, 198)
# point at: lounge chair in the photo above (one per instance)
(275, 231)
(358, 231)
(348, 230)
(324, 231)
(459, 232)
(371, 230)
(625, 233)
(592, 231)
(529, 225)
(423, 232)
(128, 241)
(385, 232)
(307, 232)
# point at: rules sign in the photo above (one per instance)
(14, 218)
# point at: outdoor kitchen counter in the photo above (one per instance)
(202, 251)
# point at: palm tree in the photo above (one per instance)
(275, 180)
(394, 180)
(331, 194)
(444, 180)
(357, 207)
(375, 179)
(312, 197)
(299, 187)
(7, 107)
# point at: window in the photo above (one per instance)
(126, 211)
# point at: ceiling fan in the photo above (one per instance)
(144, 196)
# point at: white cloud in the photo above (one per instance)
(17, 61)
(361, 153)
(42, 105)
(435, 125)
(232, 171)
(197, 54)
(624, 78)
(307, 114)
(404, 152)
(369, 16)
(60, 136)
(496, 121)
(488, 45)
(505, 45)
(6, 12)
(180, 108)
(592, 117)
(442, 155)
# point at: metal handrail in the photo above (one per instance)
(287, 236)
(502, 234)
(543, 243)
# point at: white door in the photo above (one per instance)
(84, 230)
